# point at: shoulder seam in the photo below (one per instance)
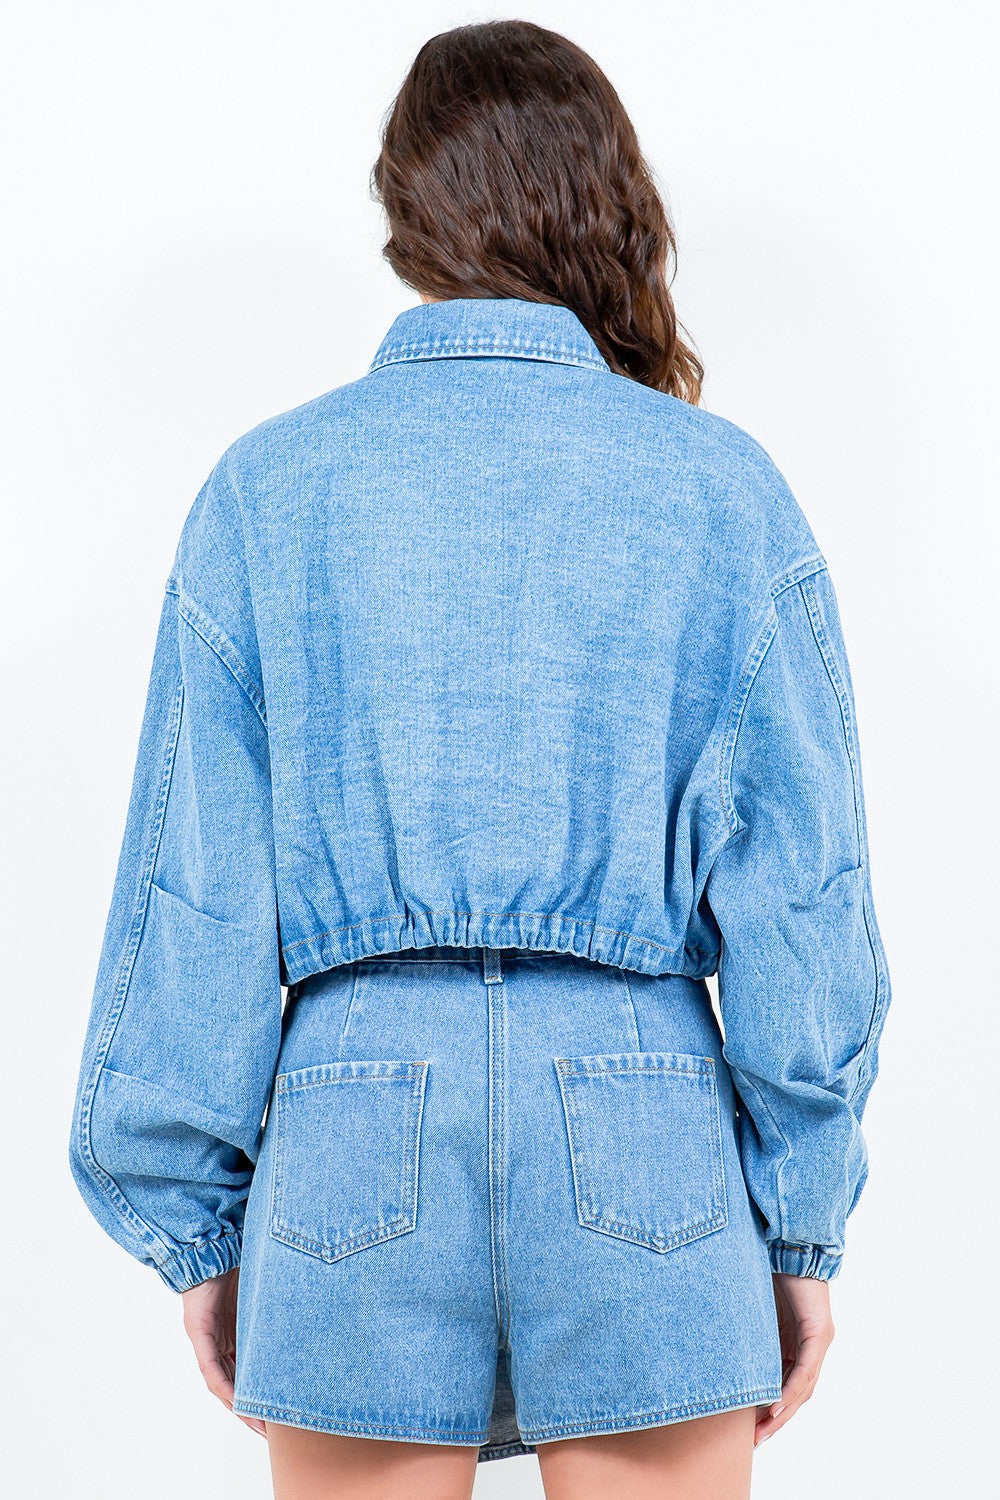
(741, 696)
(807, 567)
(795, 574)
(217, 641)
(817, 625)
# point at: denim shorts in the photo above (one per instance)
(499, 1203)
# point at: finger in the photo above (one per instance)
(763, 1429)
(253, 1424)
(805, 1373)
(797, 1387)
(213, 1371)
(768, 1425)
(783, 1411)
(218, 1381)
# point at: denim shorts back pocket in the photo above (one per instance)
(645, 1145)
(346, 1160)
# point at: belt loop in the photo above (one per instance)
(492, 970)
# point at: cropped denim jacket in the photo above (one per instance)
(491, 646)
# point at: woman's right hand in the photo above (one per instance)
(805, 1326)
(210, 1324)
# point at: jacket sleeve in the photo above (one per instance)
(803, 986)
(184, 1028)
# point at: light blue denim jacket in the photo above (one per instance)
(489, 647)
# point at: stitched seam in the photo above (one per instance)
(539, 915)
(635, 1017)
(758, 650)
(398, 958)
(755, 656)
(484, 341)
(586, 1182)
(503, 1132)
(217, 641)
(286, 1232)
(208, 1239)
(235, 491)
(750, 1085)
(264, 1409)
(330, 1254)
(881, 989)
(728, 753)
(155, 1243)
(697, 1069)
(806, 569)
(486, 346)
(807, 1248)
(720, 1155)
(495, 1154)
(570, 1116)
(175, 1094)
(817, 622)
(406, 1075)
(649, 1418)
(582, 362)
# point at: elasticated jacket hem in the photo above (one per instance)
(541, 932)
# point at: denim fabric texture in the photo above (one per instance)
(489, 648)
(499, 1203)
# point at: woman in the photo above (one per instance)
(499, 699)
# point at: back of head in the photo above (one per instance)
(509, 168)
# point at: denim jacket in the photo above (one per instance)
(491, 646)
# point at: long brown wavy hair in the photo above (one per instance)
(509, 168)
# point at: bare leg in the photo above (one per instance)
(324, 1466)
(708, 1458)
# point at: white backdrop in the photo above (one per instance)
(191, 247)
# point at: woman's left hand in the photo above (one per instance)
(210, 1324)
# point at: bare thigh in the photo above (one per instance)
(708, 1458)
(325, 1466)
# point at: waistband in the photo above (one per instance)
(492, 959)
(490, 963)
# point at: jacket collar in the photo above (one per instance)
(489, 327)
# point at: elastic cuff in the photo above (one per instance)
(200, 1262)
(804, 1260)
